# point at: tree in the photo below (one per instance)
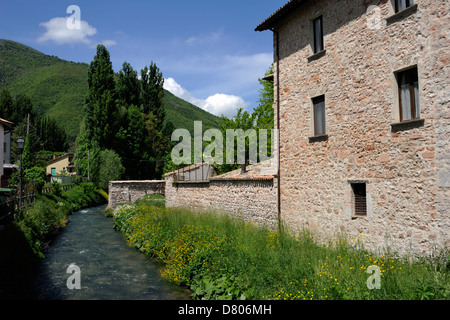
(152, 93)
(111, 168)
(101, 109)
(6, 105)
(264, 115)
(128, 86)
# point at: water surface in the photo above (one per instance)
(109, 268)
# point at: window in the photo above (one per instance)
(319, 115)
(401, 5)
(359, 199)
(408, 92)
(318, 34)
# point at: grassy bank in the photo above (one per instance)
(221, 258)
(24, 240)
(49, 213)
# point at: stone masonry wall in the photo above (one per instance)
(253, 200)
(129, 191)
(407, 171)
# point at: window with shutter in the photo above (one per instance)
(408, 91)
(359, 199)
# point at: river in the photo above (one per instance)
(108, 268)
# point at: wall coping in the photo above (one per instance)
(137, 181)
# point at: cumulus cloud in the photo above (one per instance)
(109, 43)
(225, 104)
(218, 104)
(58, 31)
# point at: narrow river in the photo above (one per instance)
(109, 268)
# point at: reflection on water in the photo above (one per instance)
(109, 268)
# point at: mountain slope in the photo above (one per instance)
(58, 88)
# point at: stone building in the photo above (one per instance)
(363, 106)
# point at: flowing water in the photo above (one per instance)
(109, 268)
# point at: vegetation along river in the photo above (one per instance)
(108, 268)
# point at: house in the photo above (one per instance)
(362, 103)
(5, 154)
(62, 165)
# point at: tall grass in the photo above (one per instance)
(223, 258)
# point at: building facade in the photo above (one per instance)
(363, 107)
(5, 144)
(61, 165)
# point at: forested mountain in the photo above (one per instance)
(58, 88)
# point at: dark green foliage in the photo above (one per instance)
(101, 109)
(152, 93)
(111, 168)
(128, 86)
(52, 136)
(35, 175)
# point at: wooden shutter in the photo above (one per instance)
(359, 199)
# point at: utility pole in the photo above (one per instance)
(89, 180)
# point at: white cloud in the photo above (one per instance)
(224, 104)
(202, 39)
(218, 104)
(109, 43)
(58, 31)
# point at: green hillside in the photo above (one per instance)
(58, 88)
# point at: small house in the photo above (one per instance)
(62, 165)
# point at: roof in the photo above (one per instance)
(67, 155)
(186, 169)
(270, 22)
(261, 171)
(7, 123)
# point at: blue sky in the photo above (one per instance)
(207, 50)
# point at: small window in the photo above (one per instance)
(318, 34)
(401, 5)
(319, 115)
(359, 199)
(408, 91)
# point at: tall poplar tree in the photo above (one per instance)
(152, 93)
(101, 108)
(128, 86)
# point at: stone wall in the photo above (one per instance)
(130, 191)
(407, 171)
(251, 197)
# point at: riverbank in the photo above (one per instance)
(222, 258)
(24, 240)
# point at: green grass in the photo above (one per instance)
(223, 258)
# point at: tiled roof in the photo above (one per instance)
(258, 172)
(6, 123)
(277, 15)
